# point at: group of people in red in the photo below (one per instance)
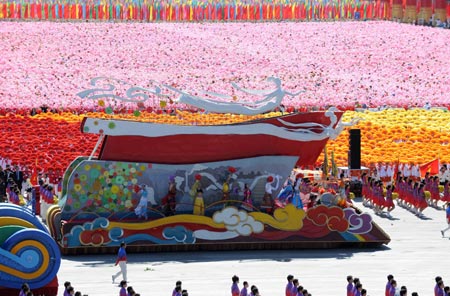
(412, 193)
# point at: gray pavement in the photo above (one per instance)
(416, 254)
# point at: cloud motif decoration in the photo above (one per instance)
(359, 223)
(180, 234)
(332, 217)
(93, 233)
(238, 221)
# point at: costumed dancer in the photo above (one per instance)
(305, 190)
(199, 203)
(389, 203)
(141, 209)
(410, 193)
(197, 185)
(267, 203)
(248, 202)
(434, 190)
(446, 194)
(297, 200)
(378, 198)
(421, 203)
(226, 187)
(286, 194)
(168, 202)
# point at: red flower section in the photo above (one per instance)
(43, 144)
(332, 217)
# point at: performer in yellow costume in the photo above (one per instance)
(199, 203)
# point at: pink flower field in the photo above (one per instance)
(337, 63)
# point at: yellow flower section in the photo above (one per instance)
(416, 136)
(179, 118)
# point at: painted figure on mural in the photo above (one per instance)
(199, 203)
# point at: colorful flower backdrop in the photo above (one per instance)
(337, 63)
(343, 64)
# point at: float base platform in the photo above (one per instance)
(226, 247)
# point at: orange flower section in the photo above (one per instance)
(413, 136)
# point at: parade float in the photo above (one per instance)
(168, 187)
(28, 254)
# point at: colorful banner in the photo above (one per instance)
(184, 10)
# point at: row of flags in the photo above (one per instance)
(159, 11)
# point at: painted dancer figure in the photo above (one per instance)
(122, 262)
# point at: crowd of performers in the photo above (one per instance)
(411, 192)
(383, 187)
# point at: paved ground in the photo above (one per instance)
(416, 254)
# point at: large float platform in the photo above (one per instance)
(162, 187)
